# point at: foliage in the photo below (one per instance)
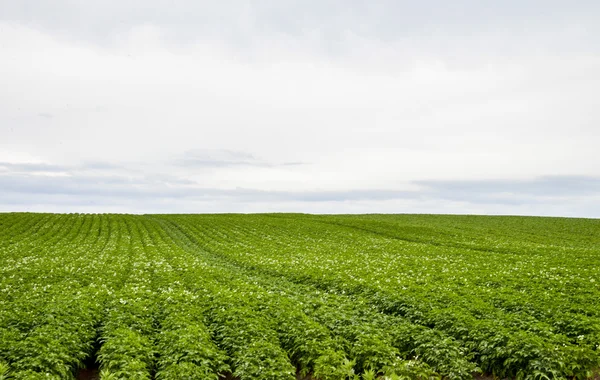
(274, 296)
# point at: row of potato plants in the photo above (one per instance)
(465, 303)
(312, 347)
(337, 260)
(265, 296)
(127, 332)
(550, 290)
(155, 328)
(560, 279)
(548, 282)
(48, 319)
(252, 346)
(369, 344)
(21, 313)
(184, 345)
(138, 338)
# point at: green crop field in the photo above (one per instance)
(286, 296)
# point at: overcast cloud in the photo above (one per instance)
(309, 106)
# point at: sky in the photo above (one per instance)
(316, 106)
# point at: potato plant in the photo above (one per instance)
(287, 296)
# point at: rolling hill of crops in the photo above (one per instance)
(287, 296)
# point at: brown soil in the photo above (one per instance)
(88, 374)
(93, 374)
(490, 377)
(229, 376)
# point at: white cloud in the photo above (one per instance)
(361, 106)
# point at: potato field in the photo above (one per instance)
(294, 296)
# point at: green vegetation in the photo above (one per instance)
(286, 296)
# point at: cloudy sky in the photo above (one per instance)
(324, 106)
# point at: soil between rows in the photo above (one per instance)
(88, 374)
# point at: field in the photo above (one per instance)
(287, 296)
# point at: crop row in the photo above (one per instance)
(344, 260)
(285, 296)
